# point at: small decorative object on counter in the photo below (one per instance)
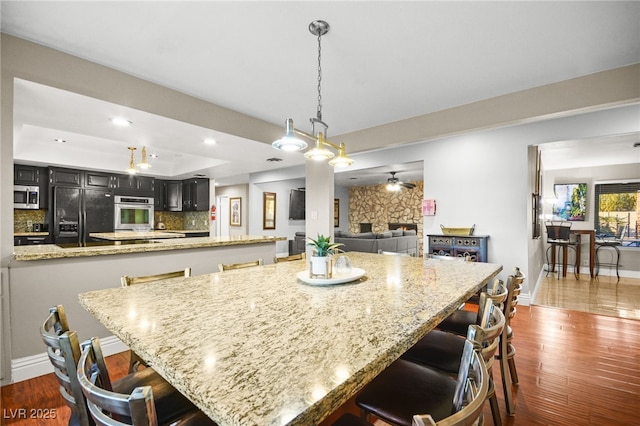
(343, 266)
(320, 261)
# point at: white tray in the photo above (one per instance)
(356, 273)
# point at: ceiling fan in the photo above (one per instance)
(394, 184)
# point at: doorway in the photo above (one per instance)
(223, 215)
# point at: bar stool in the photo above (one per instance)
(615, 254)
(559, 236)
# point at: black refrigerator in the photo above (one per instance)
(79, 212)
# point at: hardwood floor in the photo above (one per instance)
(575, 368)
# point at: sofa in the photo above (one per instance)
(398, 241)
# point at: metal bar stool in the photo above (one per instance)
(615, 254)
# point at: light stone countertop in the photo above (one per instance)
(259, 347)
(52, 251)
(135, 235)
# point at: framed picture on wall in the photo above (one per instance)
(336, 212)
(235, 211)
(571, 201)
(268, 210)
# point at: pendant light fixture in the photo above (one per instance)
(132, 166)
(144, 164)
(322, 149)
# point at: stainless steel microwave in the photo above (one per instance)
(26, 197)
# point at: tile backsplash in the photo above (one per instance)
(189, 221)
(22, 219)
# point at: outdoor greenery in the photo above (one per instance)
(624, 202)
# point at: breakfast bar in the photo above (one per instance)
(266, 346)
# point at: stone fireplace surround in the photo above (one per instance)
(378, 208)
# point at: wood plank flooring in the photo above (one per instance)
(575, 368)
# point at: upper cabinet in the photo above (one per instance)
(65, 177)
(168, 195)
(195, 194)
(28, 175)
(186, 195)
(33, 176)
(99, 180)
(134, 185)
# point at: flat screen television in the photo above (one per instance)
(296, 204)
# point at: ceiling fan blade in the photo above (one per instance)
(407, 185)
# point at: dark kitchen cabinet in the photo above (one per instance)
(32, 240)
(65, 177)
(168, 195)
(28, 175)
(99, 180)
(195, 194)
(33, 176)
(134, 185)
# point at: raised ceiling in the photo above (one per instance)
(382, 62)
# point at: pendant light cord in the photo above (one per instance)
(319, 112)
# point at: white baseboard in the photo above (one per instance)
(37, 365)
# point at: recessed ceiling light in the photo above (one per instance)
(210, 141)
(59, 140)
(119, 121)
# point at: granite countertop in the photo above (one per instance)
(30, 234)
(52, 251)
(263, 348)
(136, 235)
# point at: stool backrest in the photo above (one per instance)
(299, 256)
(63, 349)
(126, 280)
(229, 266)
(558, 230)
(109, 408)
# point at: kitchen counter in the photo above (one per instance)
(135, 235)
(30, 234)
(51, 251)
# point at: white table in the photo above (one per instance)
(258, 347)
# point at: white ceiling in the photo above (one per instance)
(381, 62)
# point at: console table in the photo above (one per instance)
(474, 246)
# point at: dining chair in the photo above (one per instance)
(135, 361)
(559, 237)
(148, 402)
(63, 349)
(406, 389)
(443, 350)
(126, 280)
(299, 256)
(230, 266)
(460, 320)
(506, 350)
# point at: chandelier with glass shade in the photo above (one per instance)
(292, 140)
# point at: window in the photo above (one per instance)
(617, 207)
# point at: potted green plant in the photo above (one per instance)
(320, 261)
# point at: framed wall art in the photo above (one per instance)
(268, 210)
(235, 211)
(571, 201)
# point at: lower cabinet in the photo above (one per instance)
(474, 246)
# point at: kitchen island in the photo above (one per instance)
(42, 276)
(261, 347)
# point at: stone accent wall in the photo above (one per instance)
(376, 205)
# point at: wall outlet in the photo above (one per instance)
(29, 225)
(585, 263)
